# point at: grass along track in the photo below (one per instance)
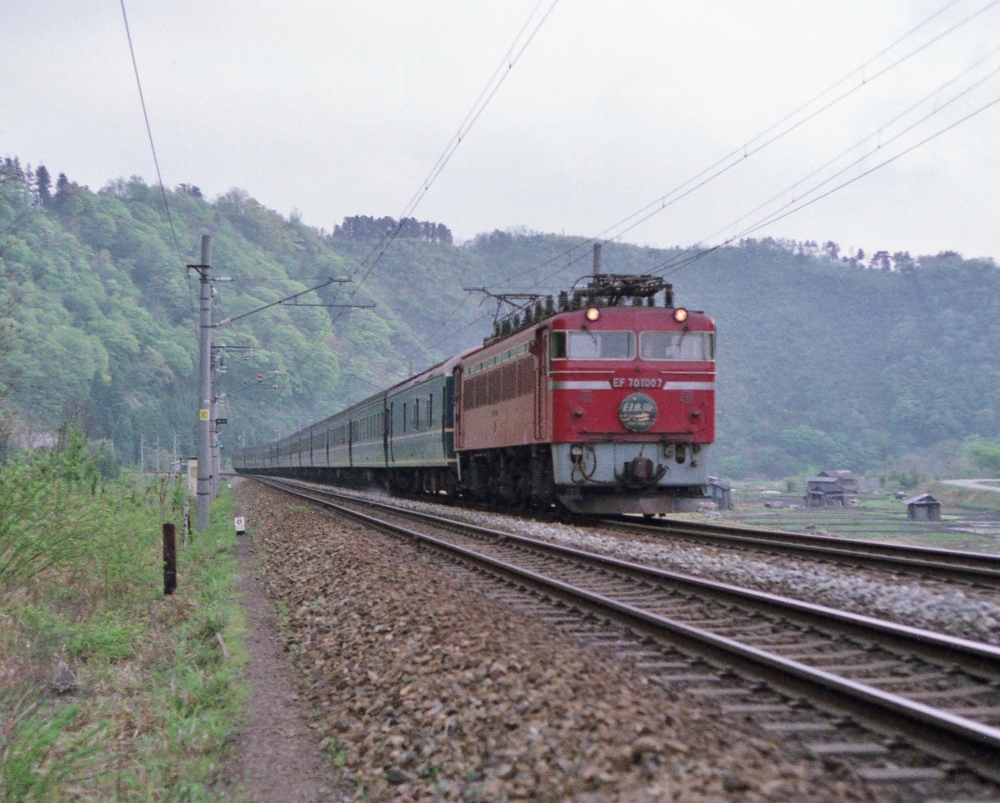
(940, 691)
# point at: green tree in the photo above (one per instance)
(983, 454)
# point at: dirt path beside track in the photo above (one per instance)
(278, 757)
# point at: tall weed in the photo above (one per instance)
(29, 768)
(42, 525)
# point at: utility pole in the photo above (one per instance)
(174, 461)
(142, 455)
(205, 386)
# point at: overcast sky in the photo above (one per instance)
(341, 108)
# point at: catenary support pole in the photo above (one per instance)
(205, 387)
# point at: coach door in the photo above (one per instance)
(459, 413)
(390, 429)
(385, 434)
(538, 348)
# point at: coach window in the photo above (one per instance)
(695, 346)
(430, 410)
(416, 414)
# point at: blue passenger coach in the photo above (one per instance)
(402, 437)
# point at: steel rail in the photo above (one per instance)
(961, 738)
(944, 564)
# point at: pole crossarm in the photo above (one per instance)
(250, 384)
(284, 300)
(342, 306)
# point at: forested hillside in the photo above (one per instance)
(823, 360)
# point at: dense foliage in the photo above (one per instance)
(824, 359)
(108, 689)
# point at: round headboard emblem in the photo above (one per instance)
(637, 412)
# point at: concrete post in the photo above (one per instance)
(205, 387)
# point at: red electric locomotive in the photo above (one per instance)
(606, 405)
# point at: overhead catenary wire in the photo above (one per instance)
(503, 70)
(880, 144)
(754, 145)
(670, 266)
(152, 148)
(496, 80)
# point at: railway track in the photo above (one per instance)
(940, 564)
(880, 693)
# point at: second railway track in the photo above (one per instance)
(940, 564)
(939, 692)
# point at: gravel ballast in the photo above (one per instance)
(426, 687)
(960, 611)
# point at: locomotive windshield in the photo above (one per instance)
(677, 345)
(592, 345)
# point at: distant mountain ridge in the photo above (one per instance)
(823, 361)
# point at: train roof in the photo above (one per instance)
(443, 368)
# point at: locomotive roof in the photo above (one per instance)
(570, 318)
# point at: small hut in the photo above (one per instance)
(721, 493)
(824, 491)
(923, 508)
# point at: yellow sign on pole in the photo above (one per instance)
(203, 415)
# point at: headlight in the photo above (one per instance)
(593, 313)
(680, 315)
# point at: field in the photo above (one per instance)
(970, 519)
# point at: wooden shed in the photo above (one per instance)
(824, 491)
(721, 493)
(923, 508)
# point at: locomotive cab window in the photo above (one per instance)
(589, 345)
(696, 346)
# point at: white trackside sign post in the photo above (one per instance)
(240, 523)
